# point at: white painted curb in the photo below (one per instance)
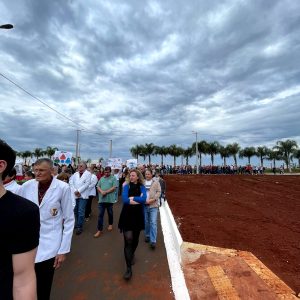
(173, 242)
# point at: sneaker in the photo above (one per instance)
(152, 245)
(110, 228)
(128, 274)
(98, 234)
(147, 239)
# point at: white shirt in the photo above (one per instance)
(12, 187)
(147, 186)
(92, 186)
(81, 184)
(56, 217)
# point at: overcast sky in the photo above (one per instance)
(137, 72)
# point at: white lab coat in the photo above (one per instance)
(13, 187)
(81, 184)
(92, 186)
(56, 216)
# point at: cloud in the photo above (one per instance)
(137, 72)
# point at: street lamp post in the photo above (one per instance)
(6, 26)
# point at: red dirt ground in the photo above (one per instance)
(260, 214)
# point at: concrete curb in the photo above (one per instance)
(173, 242)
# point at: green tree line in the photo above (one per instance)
(37, 153)
(283, 151)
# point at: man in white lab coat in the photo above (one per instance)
(79, 183)
(54, 199)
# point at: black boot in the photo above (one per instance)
(128, 274)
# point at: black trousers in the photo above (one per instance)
(88, 207)
(44, 276)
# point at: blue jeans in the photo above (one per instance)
(102, 206)
(151, 223)
(79, 212)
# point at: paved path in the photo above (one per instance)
(94, 268)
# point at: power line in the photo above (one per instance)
(39, 100)
(114, 133)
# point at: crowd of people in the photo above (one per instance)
(210, 169)
(54, 202)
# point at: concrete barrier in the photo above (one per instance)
(173, 242)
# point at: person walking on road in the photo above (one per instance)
(79, 183)
(19, 231)
(54, 199)
(106, 194)
(131, 220)
(151, 209)
(92, 195)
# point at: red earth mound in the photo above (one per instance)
(260, 214)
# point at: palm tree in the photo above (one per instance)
(224, 153)
(18, 154)
(248, 152)
(174, 151)
(135, 151)
(202, 149)
(38, 152)
(234, 149)
(287, 147)
(262, 152)
(187, 153)
(50, 151)
(274, 155)
(142, 151)
(25, 155)
(162, 151)
(212, 150)
(149, 150)
(296, 154)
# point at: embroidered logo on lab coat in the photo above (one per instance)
(54, 211)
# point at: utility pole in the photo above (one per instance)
(110, 148)
(77, 145)
(197, 154)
